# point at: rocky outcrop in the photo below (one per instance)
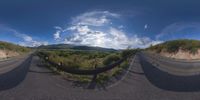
(7, 53)
(182, 55)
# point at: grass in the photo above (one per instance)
(86, 60)
(13, 47)
(174, 46)
(77, 59)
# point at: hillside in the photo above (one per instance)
(75, 47)
(10, 50)
(180, 49)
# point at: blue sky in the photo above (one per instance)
(105, 23)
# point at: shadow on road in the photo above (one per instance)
(93, 84)
(14, 77)
(168, 81)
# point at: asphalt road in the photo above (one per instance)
(172, 66)
(10, 64)
(144, 81)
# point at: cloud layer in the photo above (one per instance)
(96, 29)
(25, 40)
(28, 40)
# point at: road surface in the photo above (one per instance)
(144, 81)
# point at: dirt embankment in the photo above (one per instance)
(7, 54)
(182, 55)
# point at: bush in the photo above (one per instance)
(110, 59)
(75, 59)
(13, 47)
(102, 78)
(128, 52)
(173, 46)
(85, 60)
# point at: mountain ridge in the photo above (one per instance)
(75, 47)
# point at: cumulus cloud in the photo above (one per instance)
(57, 35)
(95, 29)
(94, 18)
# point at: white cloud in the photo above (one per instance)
(58, 28)
(121, 27)
(57, 35)
(114, 38)
(94, 18)
(26, 40)
(145, 26)
(23, 36)
(95, 29)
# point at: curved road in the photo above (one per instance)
(144, 81)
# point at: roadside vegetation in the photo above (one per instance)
(9, 50)
(174, 46)
(81, 59)
(12, 47)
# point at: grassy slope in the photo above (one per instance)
(174, 46)
(12, 47)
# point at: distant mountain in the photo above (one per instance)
(74, 47)
(56, 46)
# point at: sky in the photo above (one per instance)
(117, 24)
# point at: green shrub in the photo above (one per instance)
(85, 60)
(13, 47)
(102, 78)
(125, 64)
(128, 52)
(111, 59)
(173, 46)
